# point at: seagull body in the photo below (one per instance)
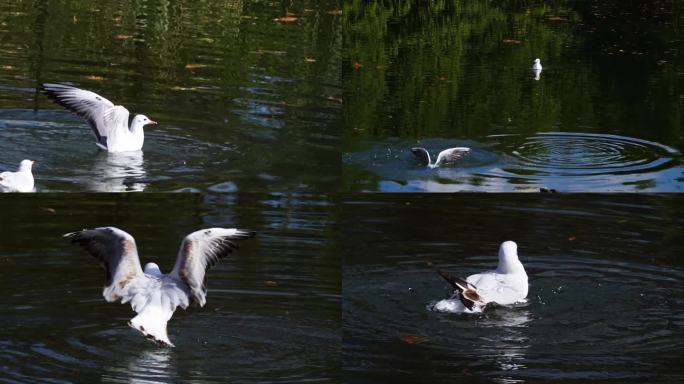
(19, 181)
(446, 156)
(505, 285)
(109, 122)
(537, 65)
(154, 296)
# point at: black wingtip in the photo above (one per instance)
(246, 233)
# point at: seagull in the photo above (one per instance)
(153, 295)
(505, 285)
(19, 181)
(109, 122)
(446, 156)
(537, 65)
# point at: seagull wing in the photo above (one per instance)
(117, 252)
(451, 155)
(422, 154)
(467, 292)
(200, 251)
(89, 105)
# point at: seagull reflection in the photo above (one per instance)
(151, 365)
(537, 73)
(508, 338)
(117, 172)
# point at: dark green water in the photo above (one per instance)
(240, 98)
(272, 312)
(604, 304)
(455, 72)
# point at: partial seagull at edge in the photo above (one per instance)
(19, 181)
(506, 285)
(154, 296)
(449, 155)
(108, 122)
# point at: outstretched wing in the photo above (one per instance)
(117, 252)
(451, 154)
(200, 251)
(467, 292)
(422, 154)
(88, 105)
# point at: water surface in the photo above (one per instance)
(272, 312)
(245, 92)
(461, 71)
(605, 300)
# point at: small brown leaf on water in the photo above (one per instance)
(309, 60)
(572, 238)
(286, 19)
(335, 12)
(357, 65)
(271, 283)
(48, 209)
(512, 41)
(556, 18)
(94, 78)
(335, 99)
(123, 37)
(414, 339)
(194, 66)
(9, 67)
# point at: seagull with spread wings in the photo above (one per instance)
(153, 295)
(109, 122)
(446, 156)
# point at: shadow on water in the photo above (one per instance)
(272, 311)
(605, 288)
(564, 161)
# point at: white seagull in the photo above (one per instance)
(446, 156)
(505, 285)
(537, 65)
(19, 181)
(109, 122)
(154, 296)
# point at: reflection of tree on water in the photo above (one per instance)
(117, 172)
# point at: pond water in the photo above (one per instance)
(245, 93)
(272, 312)
(610, 93)
(605, 300)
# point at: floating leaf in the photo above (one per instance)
(336, 99)
(512, 41)
(194, 66)
(572, 238)
(557, 18)
(414, 339)
(7, 67)
(286, 19)
(95, 77)
(357, 65)
(48, 209)
(336, 12)
(123, 37)
(268, 51)
(272, 283)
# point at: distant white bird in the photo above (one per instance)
(505, 285)
(109, 122)
(154, 296)
(19, 181)
(446, 156)
(537, 69)
(537, 65)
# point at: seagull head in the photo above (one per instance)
(508, 258)
(537, 61)
(153, 269)
(142, 120)
(26, 165)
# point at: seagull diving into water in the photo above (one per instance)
(109, 122)
(19, 181)
(505, 285)
(446, 156)
(154, 296)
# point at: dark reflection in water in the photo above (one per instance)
(272, 313)
(605, 288)
(239, 96)
(420, 70)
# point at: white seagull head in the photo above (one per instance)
(26, 165)
(508, 258)
(153, 269)
(142, 120)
